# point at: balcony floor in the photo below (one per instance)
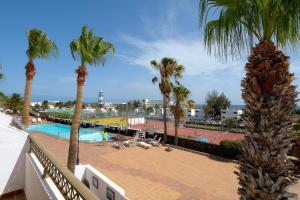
(17, 196)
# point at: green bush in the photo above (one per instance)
(61, 115)
(296, 127)
(230, 149)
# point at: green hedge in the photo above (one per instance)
(61, 115)
(230, 149)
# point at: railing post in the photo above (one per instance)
(45, 174)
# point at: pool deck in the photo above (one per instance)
(156, 174)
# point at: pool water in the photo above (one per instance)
(202, 139)
(63, 131)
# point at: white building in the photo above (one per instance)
(195, 115)
(231, 113)
(152, 103)
(160, 111)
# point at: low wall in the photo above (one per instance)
(99, 184)
(37, 188)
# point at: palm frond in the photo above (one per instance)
(91, 48)
(232, 26)
(40, 45)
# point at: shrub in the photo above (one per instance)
(296, 127)
(230, 149)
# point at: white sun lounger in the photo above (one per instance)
(156, 142)
(33, 120)
(144, 145)
(149, 140)
(118, 145)
(130, 143)
(39, 119)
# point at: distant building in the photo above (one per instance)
(231, 113)
(101, 98)
(160, 112)
(195, 115)
(152, 103)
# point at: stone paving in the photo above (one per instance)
(155, 174)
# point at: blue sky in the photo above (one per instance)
(140, 30)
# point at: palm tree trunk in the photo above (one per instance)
(176, 131)
(76, 119)
(30, 72)
(165, 119)
(265, 171)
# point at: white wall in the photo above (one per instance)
(87, 172)
(37, 188)
(136, 120)
(13, 146)
(5, 119)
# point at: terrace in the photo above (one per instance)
(179, 174)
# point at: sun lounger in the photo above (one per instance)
(118, 145)
(130, 143)
(144, 145)
(148, 140)
(39, 119)
(33, 120)
(156, 142)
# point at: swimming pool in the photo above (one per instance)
(202, 139)
(63, 131)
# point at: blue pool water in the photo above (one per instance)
(202, 139)
(63, 131)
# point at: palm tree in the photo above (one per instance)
(180, 94)
(39, 46)
(167, 69)
(14, 102)
(92, 50)
(265, 170)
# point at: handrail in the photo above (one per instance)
(70, 187)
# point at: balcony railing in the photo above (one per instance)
(69, 186)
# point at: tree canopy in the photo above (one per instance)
(45, 105)
(13, 102)
(40, 45)
(214, 103)
(232, 26)
(167, 68)
(90, 48)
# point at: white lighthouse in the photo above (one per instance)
(101, 98)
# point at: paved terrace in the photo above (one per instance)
(155, 174)
(214, 137)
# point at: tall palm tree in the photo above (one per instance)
(93, 50)
(167, 69)
(265, 171)
(180, 94)
(39, 46)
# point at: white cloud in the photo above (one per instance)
(189, 52)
